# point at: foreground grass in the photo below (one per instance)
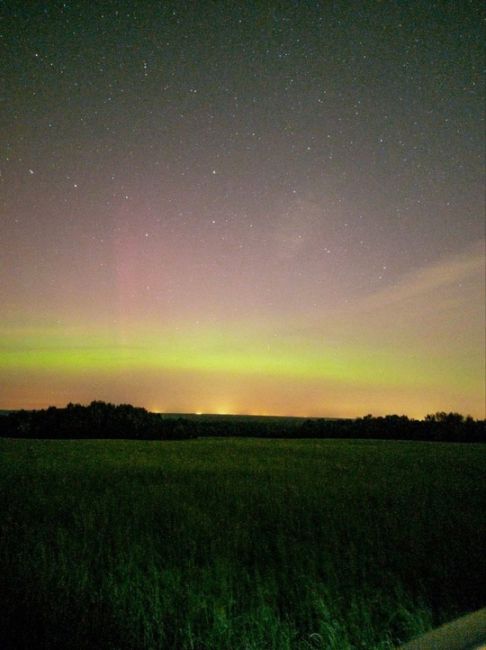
(236, 543)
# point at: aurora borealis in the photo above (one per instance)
(269, 208)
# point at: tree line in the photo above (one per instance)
(104, 420)
(97, 420)
(440, 427)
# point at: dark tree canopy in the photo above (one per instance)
(98, 420)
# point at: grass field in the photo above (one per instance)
(236, 543)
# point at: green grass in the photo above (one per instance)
(236, 543)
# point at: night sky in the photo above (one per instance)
(243, 207)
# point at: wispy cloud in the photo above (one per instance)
(430, 279)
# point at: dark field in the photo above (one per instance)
(236, 543)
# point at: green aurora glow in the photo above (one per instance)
(213, 352)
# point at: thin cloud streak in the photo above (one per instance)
(430, 279)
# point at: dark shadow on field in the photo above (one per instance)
(56, 623)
